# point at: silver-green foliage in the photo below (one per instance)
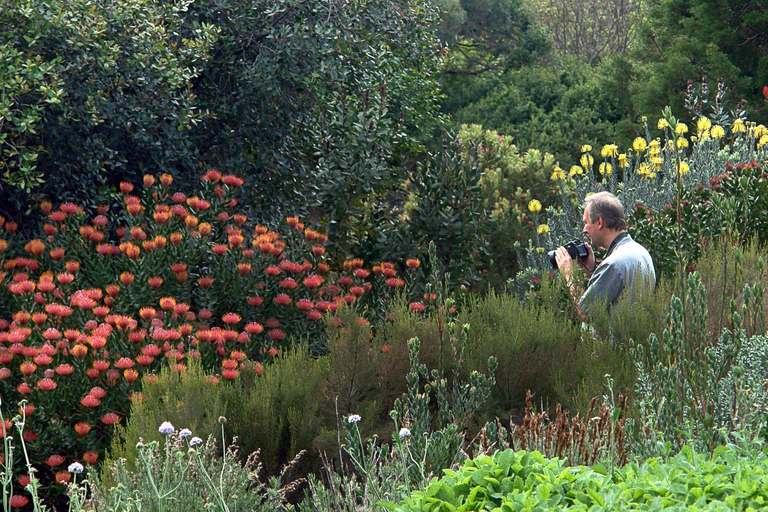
(693, 392)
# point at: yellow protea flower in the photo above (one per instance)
(605, 169)
(682, 143)
(656, 162)
(534, 206)
(760, 130)
(609, 150)
(586, 160)
(586, 148)
(717, 132)
(542, 229)
(644, 171)
(683, 168)
(681, 128)
(703, 125)
(738, 126)
(558, 174)
(623, 160)
(662, 124)
(763, 141)
(639, 145)
(575, 169)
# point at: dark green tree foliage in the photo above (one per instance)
(262, 88)
(687, 39)
(555, 109)
(123, 70)
(485, 38)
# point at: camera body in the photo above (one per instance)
(575, 248)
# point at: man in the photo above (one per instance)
(626, 265)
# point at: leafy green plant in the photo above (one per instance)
(732, 478)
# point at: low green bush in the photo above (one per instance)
(531, 342)
(732, 478)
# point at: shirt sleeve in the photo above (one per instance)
(605, 286)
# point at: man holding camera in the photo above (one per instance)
(626, 265)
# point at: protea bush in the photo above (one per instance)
(99, 300)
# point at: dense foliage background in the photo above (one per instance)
(381, 181)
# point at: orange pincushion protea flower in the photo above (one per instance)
(110, 418)
(82, 427)
(167, 303)
(231, 318)
(90, 457)
(55, 460)
(63, 477)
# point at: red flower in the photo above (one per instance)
(282, 299)
(276, 334)
(254, 328)
(55, 460)
(90, 457)
(765, 91)
(110, 418)
(231, 318)
(90, 401)
(64, 369)
(82, 427)
(314, 314)
(417, 306)
(63, 477)
(46, 384)
(19, 501)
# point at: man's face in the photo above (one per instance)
(592, 229)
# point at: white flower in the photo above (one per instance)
(185, 432)
(75, 468)
(354, 418)
(166, 428)
(195, 441)
(404, 432)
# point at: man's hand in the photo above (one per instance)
(564, 262)
(589, 264)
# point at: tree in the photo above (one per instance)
(685, 40)
(595, 30)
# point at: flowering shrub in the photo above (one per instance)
(99, 299)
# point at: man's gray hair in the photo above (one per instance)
(606, 206)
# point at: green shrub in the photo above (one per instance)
(733, 478)
(531, 342)
(693, 391)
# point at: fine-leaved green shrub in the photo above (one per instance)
(531, 342)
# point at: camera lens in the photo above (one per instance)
(552, 259)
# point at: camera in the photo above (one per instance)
(575, 248)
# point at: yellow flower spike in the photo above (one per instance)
(643, 170)
(534, 206)
(763, 141)
(558, 174)
(656, 162)
(575, 170)
(586, 148)
(683, 168)
(681, 129)
(662, 124)
(605, 169)
(542, 229)
(717, 132)
(738, 126)
(639, 145)
(682, 143)
(586, 160)
(623, 160)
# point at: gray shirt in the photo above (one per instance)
(627, 266)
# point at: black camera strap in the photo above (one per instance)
(621, 236)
